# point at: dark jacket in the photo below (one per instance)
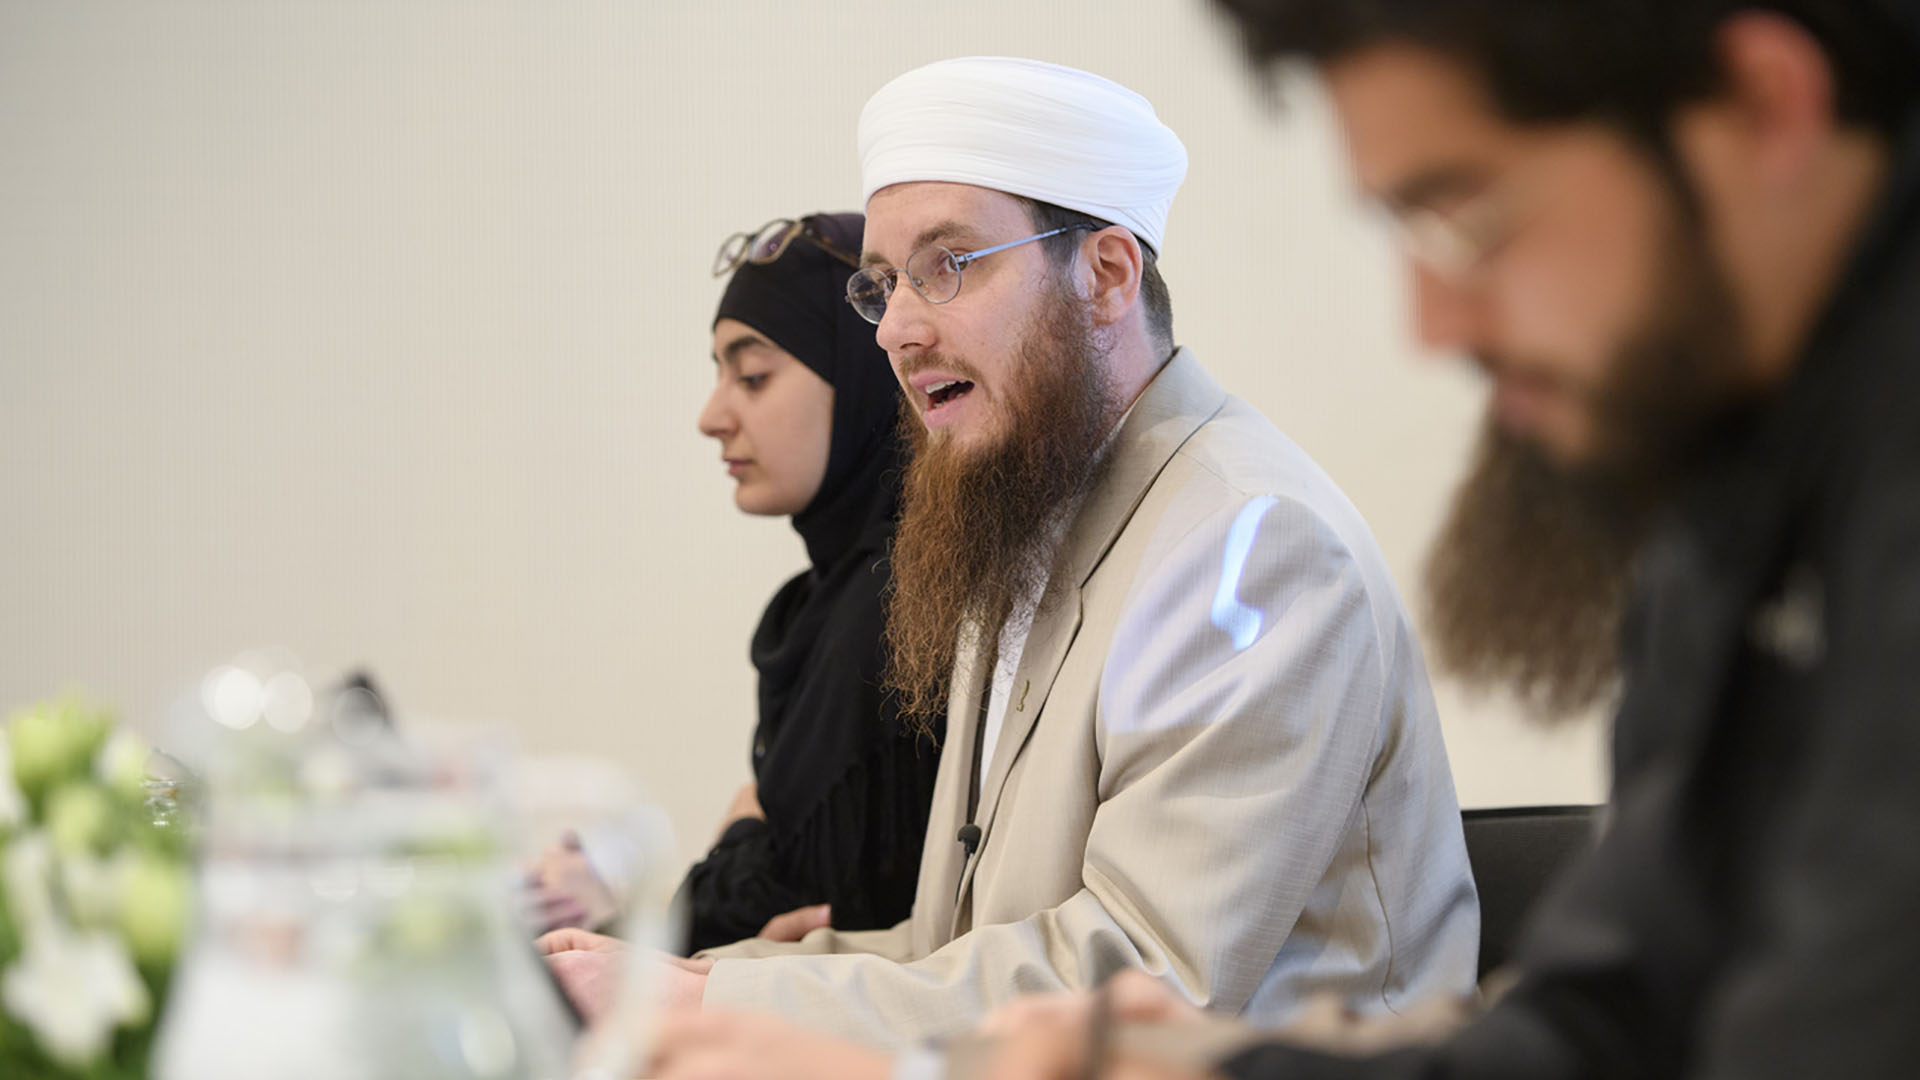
(1754, 908)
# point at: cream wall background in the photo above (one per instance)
(376, 331)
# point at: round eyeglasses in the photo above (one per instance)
(1456, 244)
(933, 271)
(770, 241)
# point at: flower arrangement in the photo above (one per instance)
(94, 898)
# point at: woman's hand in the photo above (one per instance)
(797, 923)
(566, 890)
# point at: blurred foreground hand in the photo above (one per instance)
(1154, 1035)
(1050, 1035)
(721, 1045)
(1327, 1024)
(1157, 1035)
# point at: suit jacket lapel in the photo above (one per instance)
(1180, 399)
(942, 859)
(1047, 643)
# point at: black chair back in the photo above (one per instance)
(1514, 852)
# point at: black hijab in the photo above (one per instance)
(798, 301)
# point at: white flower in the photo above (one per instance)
(156, 900)
(121, 764)
(13, 805)
(71, 990)
(27, 872)
(54, 740)
(79, 816)
(92, 885)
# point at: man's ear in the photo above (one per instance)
(1114, 265)
(1778, 94)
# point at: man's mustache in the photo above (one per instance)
(919, 362)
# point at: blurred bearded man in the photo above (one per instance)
(1189, 727)
(1683, 240)
(1528, 579)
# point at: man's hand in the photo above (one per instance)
(720, 1045)
(679, 987)
(589, 977)
(574, 939)
(1047, 1037)
(699, 965)
(588, 968)
(797, 923)
(566, 890)
(1053, 1049)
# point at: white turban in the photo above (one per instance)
(1051, 133)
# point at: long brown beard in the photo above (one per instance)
(978, 528)
(1528, 579)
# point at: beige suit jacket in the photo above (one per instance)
(1220, 763)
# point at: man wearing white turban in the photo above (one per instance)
(1190, 727)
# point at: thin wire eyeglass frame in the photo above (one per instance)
(872, 281)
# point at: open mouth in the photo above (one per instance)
(943, 393)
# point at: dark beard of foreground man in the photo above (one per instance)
(1528, 577)
(979, 527)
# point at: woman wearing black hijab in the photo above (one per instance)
(843, 779)
(804, 408)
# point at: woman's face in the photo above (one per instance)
(773, 418)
